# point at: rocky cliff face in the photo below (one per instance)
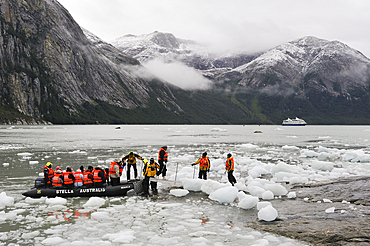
(49, 67)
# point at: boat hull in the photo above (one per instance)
(119, 190)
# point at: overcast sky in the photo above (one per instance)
(242, 25)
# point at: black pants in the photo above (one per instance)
(162, 169)
(128, 170)
(231, 177)
(153, 185)
(114, 181)
(203, 174)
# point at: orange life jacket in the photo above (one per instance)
(96, 177)
(165, 156)
(203, 163)
(56, 181)
(78, 178)
(230, 164)
(111, 168)
(86, 179)
(50, 173)
(67, 180)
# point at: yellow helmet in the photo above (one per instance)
(49, 164)
(145, 161)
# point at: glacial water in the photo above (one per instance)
(310, 153)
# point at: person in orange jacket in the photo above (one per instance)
(48, 174)
(162, 160)
(230, 169)
(204, 166)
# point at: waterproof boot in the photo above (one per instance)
(154, 188)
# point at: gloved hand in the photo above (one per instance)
(193, 164)
(208, 170)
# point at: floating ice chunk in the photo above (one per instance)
(292, 195)
(268, 213)
(5, 164)
(30, 200)
(193, 184)
(267, 195)
(287, 147)
(202, 234)
(124, 236)
(277, 189)
(78, 152)
(256, 171)
(5, 200)
(25, 154)
(94, 202)
(30, 235)
(327, 200)
(200, 241)
(210, 186)
(56, 201)
(322, 165)
(33, 162)
(261, 205)
(255, 190)
(224, 195)
(249, 146)
(248, 202)
(179, 192)
(53, 241)
(100, 215)
(308, 153)
(216, 129)
(330, 210)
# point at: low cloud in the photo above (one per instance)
(178, 74)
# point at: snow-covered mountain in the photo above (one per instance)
(168, 48)
(306, 63)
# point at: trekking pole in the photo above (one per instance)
(194, 172)
(177, 164)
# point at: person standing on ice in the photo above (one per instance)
(48, 174)
(230, 169)
(131, 161)
(204, 166)
(149, 172)
(162, 160)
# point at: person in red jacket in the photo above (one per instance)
(48, 174)
(69, 178)
(88, 177)
(98, 177)
(78, 178)
(57, 181)
(162, 160)
(114, 172)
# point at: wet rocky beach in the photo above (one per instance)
(309, 218)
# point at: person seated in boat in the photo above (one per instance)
(88, 177)
(98, 177)
(69, 178)
(114, 173)
(48, 174)
(58, 179)
(78, 178)
(82, 169)
(150, 170)
(58, 168)
(106, 175)
(131, 161)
